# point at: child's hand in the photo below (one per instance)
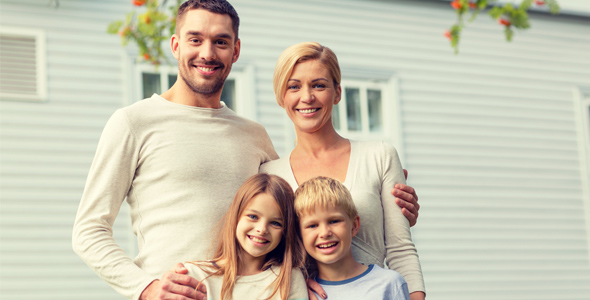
(313, 286)
(175, 285)
(407, 199)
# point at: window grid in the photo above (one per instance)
(369, 126)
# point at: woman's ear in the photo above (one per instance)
(356, 225)
(338, 94)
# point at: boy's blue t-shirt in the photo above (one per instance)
(374, 283)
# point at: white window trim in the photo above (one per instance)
(391, 115)
(581, 110)
(41, 68)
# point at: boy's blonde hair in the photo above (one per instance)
(323, 192)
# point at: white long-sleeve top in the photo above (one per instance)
(373, 169)
(179, 168)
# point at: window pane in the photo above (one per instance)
(171, 80)
(336, 117)
(151, 84)
(374, 99)
(228, 94)
(353, 109)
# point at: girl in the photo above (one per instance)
(260, 253)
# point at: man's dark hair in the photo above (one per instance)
(215, 6)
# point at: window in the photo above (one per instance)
(361, 111)
(159, 80)
(22, 57)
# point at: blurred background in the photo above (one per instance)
(495, 138)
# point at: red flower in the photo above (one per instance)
(448, 35)
(138, 2)
(539, 2)
(472, 5)
(146, 56)
(504, 22)
(456, 4)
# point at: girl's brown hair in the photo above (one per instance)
(288, 254)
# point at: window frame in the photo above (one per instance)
(40, 67)
(582, 113)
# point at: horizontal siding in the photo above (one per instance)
(489, 138)
(47, 148)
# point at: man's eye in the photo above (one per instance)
(221, 42)
(194, 40)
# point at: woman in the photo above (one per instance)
(307, 85)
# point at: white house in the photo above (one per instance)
(496, 139)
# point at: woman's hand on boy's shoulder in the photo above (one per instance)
(313, 286)
(175, 284)
(407, 199)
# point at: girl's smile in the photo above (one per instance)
(260, 228)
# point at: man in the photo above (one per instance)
(178, 158)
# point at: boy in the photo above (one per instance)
(328, 220)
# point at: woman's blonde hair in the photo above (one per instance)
(288, 254)
(299, 53)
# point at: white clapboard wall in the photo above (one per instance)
(489, 137)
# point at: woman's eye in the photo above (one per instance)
(292, 87)
(319, 86)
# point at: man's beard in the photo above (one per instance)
(208, 88)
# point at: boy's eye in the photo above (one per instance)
(334, 221)
(312, 226)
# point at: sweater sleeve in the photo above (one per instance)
(108, 183)
(401, 254)
(298, 290)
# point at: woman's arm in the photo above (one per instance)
(401, 254)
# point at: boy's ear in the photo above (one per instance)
(356, 225)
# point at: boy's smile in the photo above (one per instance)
(327, 234)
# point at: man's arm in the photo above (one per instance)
(107, 186)
(407, 200)
(175, 284)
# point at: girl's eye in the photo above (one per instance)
(253, 217)
(312, 226)
(277, 224)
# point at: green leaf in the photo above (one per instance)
(509, 33)
(113, 27)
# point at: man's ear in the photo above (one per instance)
(356, 225)
(237, 47)
(174, 46)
